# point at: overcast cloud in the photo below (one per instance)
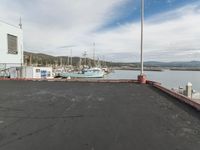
(55, 27)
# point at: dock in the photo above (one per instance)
(43, 115)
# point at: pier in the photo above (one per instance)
(43, 115)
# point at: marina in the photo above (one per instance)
(74, 94)
(85, 73)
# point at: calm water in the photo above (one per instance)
(170, 79)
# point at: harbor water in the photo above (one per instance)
(168, 78)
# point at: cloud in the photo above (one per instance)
(170, 36)
(53, 26)
(49, 24)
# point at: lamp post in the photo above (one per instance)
(142, 77)
(22, 54)
(142, 38)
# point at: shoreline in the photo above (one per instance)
(159, 69)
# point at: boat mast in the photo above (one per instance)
(85, 58)
(61, 62)
(67, 60)
(142, 38)
(94, 54)
(71, 56)
(80, 62)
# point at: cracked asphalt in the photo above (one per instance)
(94, 116)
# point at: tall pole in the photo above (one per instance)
(68, 60)
(80, 62)
(22, 55)
(142, 39)
(20, 23)
(61, 62)
(85, 56)
(94, 54)
(71, 56)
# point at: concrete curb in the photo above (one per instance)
(176, 95)
(70, 80)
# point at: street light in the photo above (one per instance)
(142, 77)
(142, 38)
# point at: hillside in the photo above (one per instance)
(173, 64)
(44, 59)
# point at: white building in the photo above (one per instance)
(30, 72)
(11, 46)
(37, 72)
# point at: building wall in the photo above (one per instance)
(37, 72)
(47, 72)
(30, 72)
(6, 59)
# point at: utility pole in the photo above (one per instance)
(142, 38)
(22, 55)
(142, 77)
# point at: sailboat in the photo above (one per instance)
(85, 73)
(94, 72)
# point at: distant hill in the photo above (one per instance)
(173, 64)
(43, 59)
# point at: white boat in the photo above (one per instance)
(85, 73)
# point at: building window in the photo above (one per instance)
(12, 44)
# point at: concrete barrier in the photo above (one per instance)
(176, 95)
(71, 80)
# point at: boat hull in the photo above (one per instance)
(83, 75)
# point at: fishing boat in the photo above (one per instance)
(85, 73)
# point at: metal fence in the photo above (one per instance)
(10, 69)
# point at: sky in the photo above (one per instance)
(171, 30)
